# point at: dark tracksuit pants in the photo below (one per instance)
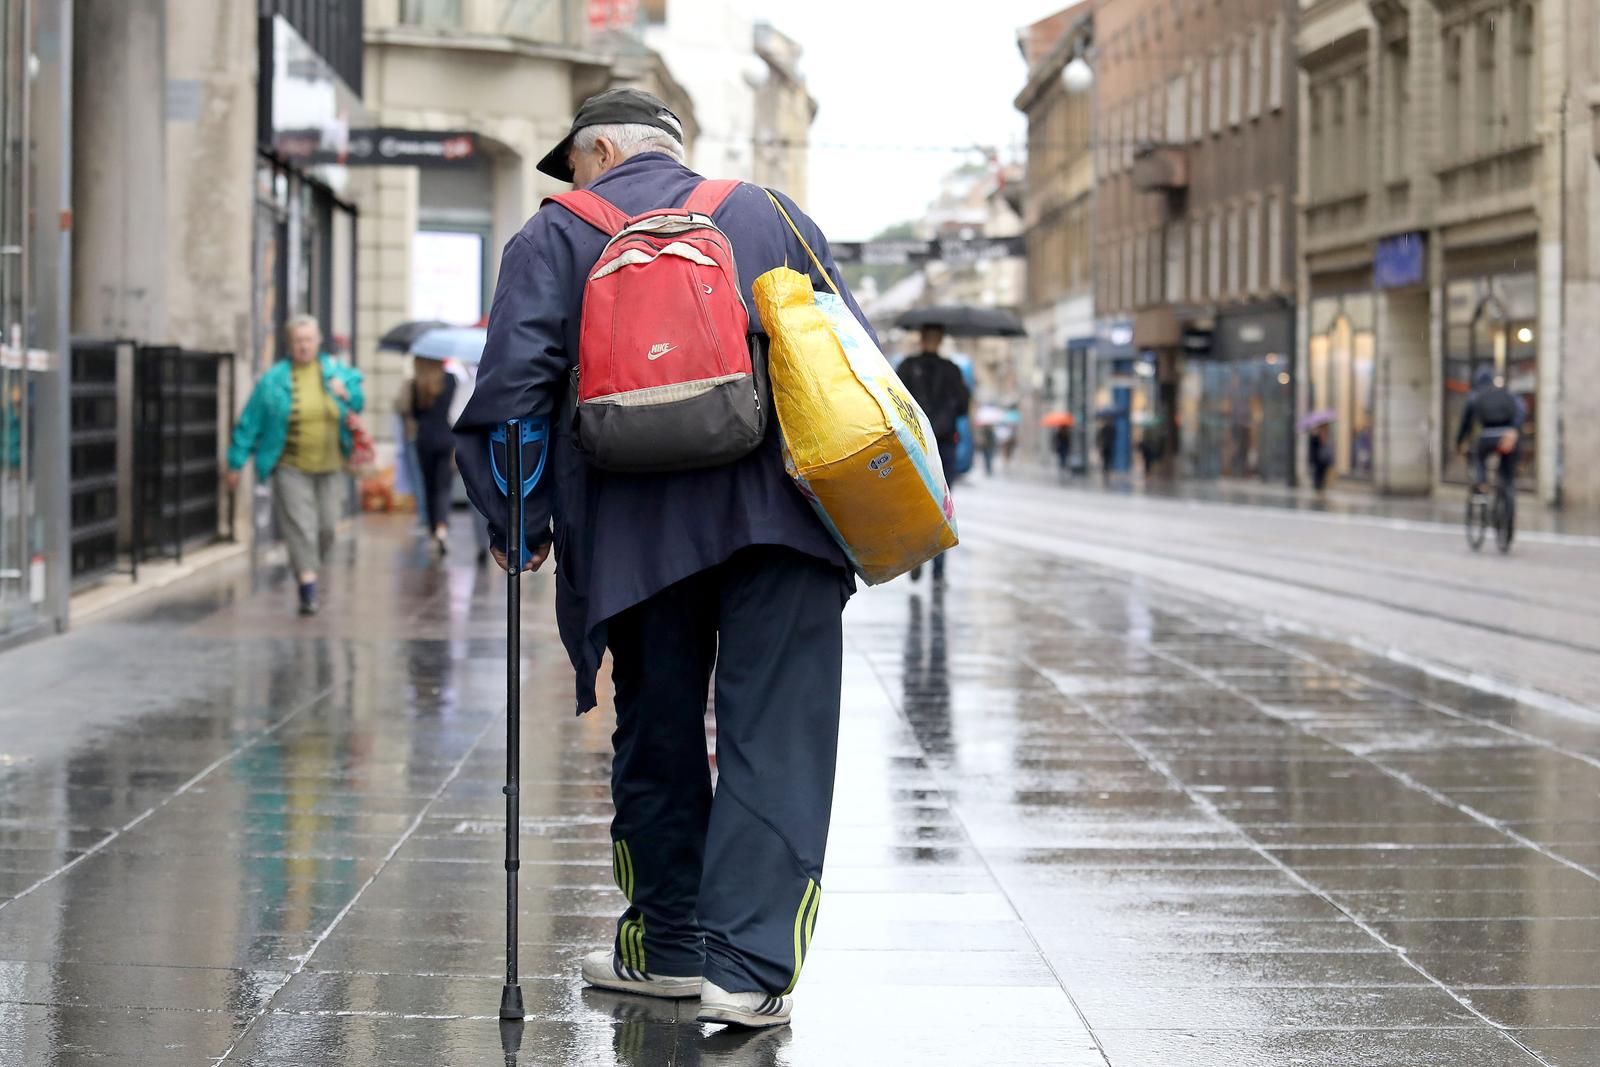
(726, 886)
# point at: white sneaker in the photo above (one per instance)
(717, 1005)
(603, 970)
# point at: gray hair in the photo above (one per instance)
(631, 139)
(298, 321)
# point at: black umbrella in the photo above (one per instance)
(403, 336)
(964, 320)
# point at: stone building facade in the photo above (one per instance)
(1449, 176)
(1195, 169)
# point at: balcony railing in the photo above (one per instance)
(1161, 168)
(1505, 170)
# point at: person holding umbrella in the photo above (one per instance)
(940, 389)
(424, 403)
(1319, 445)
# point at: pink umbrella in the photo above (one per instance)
(1310, 422)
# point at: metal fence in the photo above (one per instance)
(164, 494)
(92, 464)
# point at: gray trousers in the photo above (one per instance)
(308, 507)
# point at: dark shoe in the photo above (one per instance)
(483, 556)
(308, 598)
(308, 607)
(916, 574)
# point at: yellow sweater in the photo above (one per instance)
(313, 442)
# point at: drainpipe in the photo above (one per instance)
(1561, 334)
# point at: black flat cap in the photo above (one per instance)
(614, 106)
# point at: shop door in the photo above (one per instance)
(19, 587)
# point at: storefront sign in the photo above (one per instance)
(1400, 261)
(1196, 341)
(382, 146)
(899, 252)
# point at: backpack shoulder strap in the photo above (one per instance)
(592, 208)
(710, 195)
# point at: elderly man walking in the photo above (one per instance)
(720, 574)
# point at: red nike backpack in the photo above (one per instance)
(669, 377)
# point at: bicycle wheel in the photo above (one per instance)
(1505, 518)
(1477, 520)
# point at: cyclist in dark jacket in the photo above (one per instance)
(1500, 414)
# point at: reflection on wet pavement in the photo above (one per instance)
(1078, 822)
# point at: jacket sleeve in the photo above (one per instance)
(1469, 415)
(247, 430)
(1521, 417)
(819, 245)
(524, 368)
(353, 381)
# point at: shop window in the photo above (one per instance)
(1491, 323)
(1340, 362)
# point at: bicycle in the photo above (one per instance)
(1498, 510)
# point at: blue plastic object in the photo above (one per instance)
(528, 432)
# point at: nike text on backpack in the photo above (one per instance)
(668, 376)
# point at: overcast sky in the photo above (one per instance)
(912, 79)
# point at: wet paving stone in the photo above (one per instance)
(1075, 824)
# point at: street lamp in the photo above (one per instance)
(1077, 75)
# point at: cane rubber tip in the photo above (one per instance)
(511, 1002)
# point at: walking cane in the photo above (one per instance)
(524, 432)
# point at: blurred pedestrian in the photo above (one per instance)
(424, 402)
(297, 426)
(987, 444)
(1105, 442)
(1321, 457)
(1150, 447)
(1006, 432)
(940, 389)
(722, 570)
(1062, 441)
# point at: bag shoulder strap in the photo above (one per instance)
(804, 244)
(709, 196)
(592, 208)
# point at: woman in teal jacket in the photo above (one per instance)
(296, 425)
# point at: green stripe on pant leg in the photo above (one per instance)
(799, 930)
(811, 920)
(627, 870)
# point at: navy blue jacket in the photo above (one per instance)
(621, 538)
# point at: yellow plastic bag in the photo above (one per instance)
(856, 444)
